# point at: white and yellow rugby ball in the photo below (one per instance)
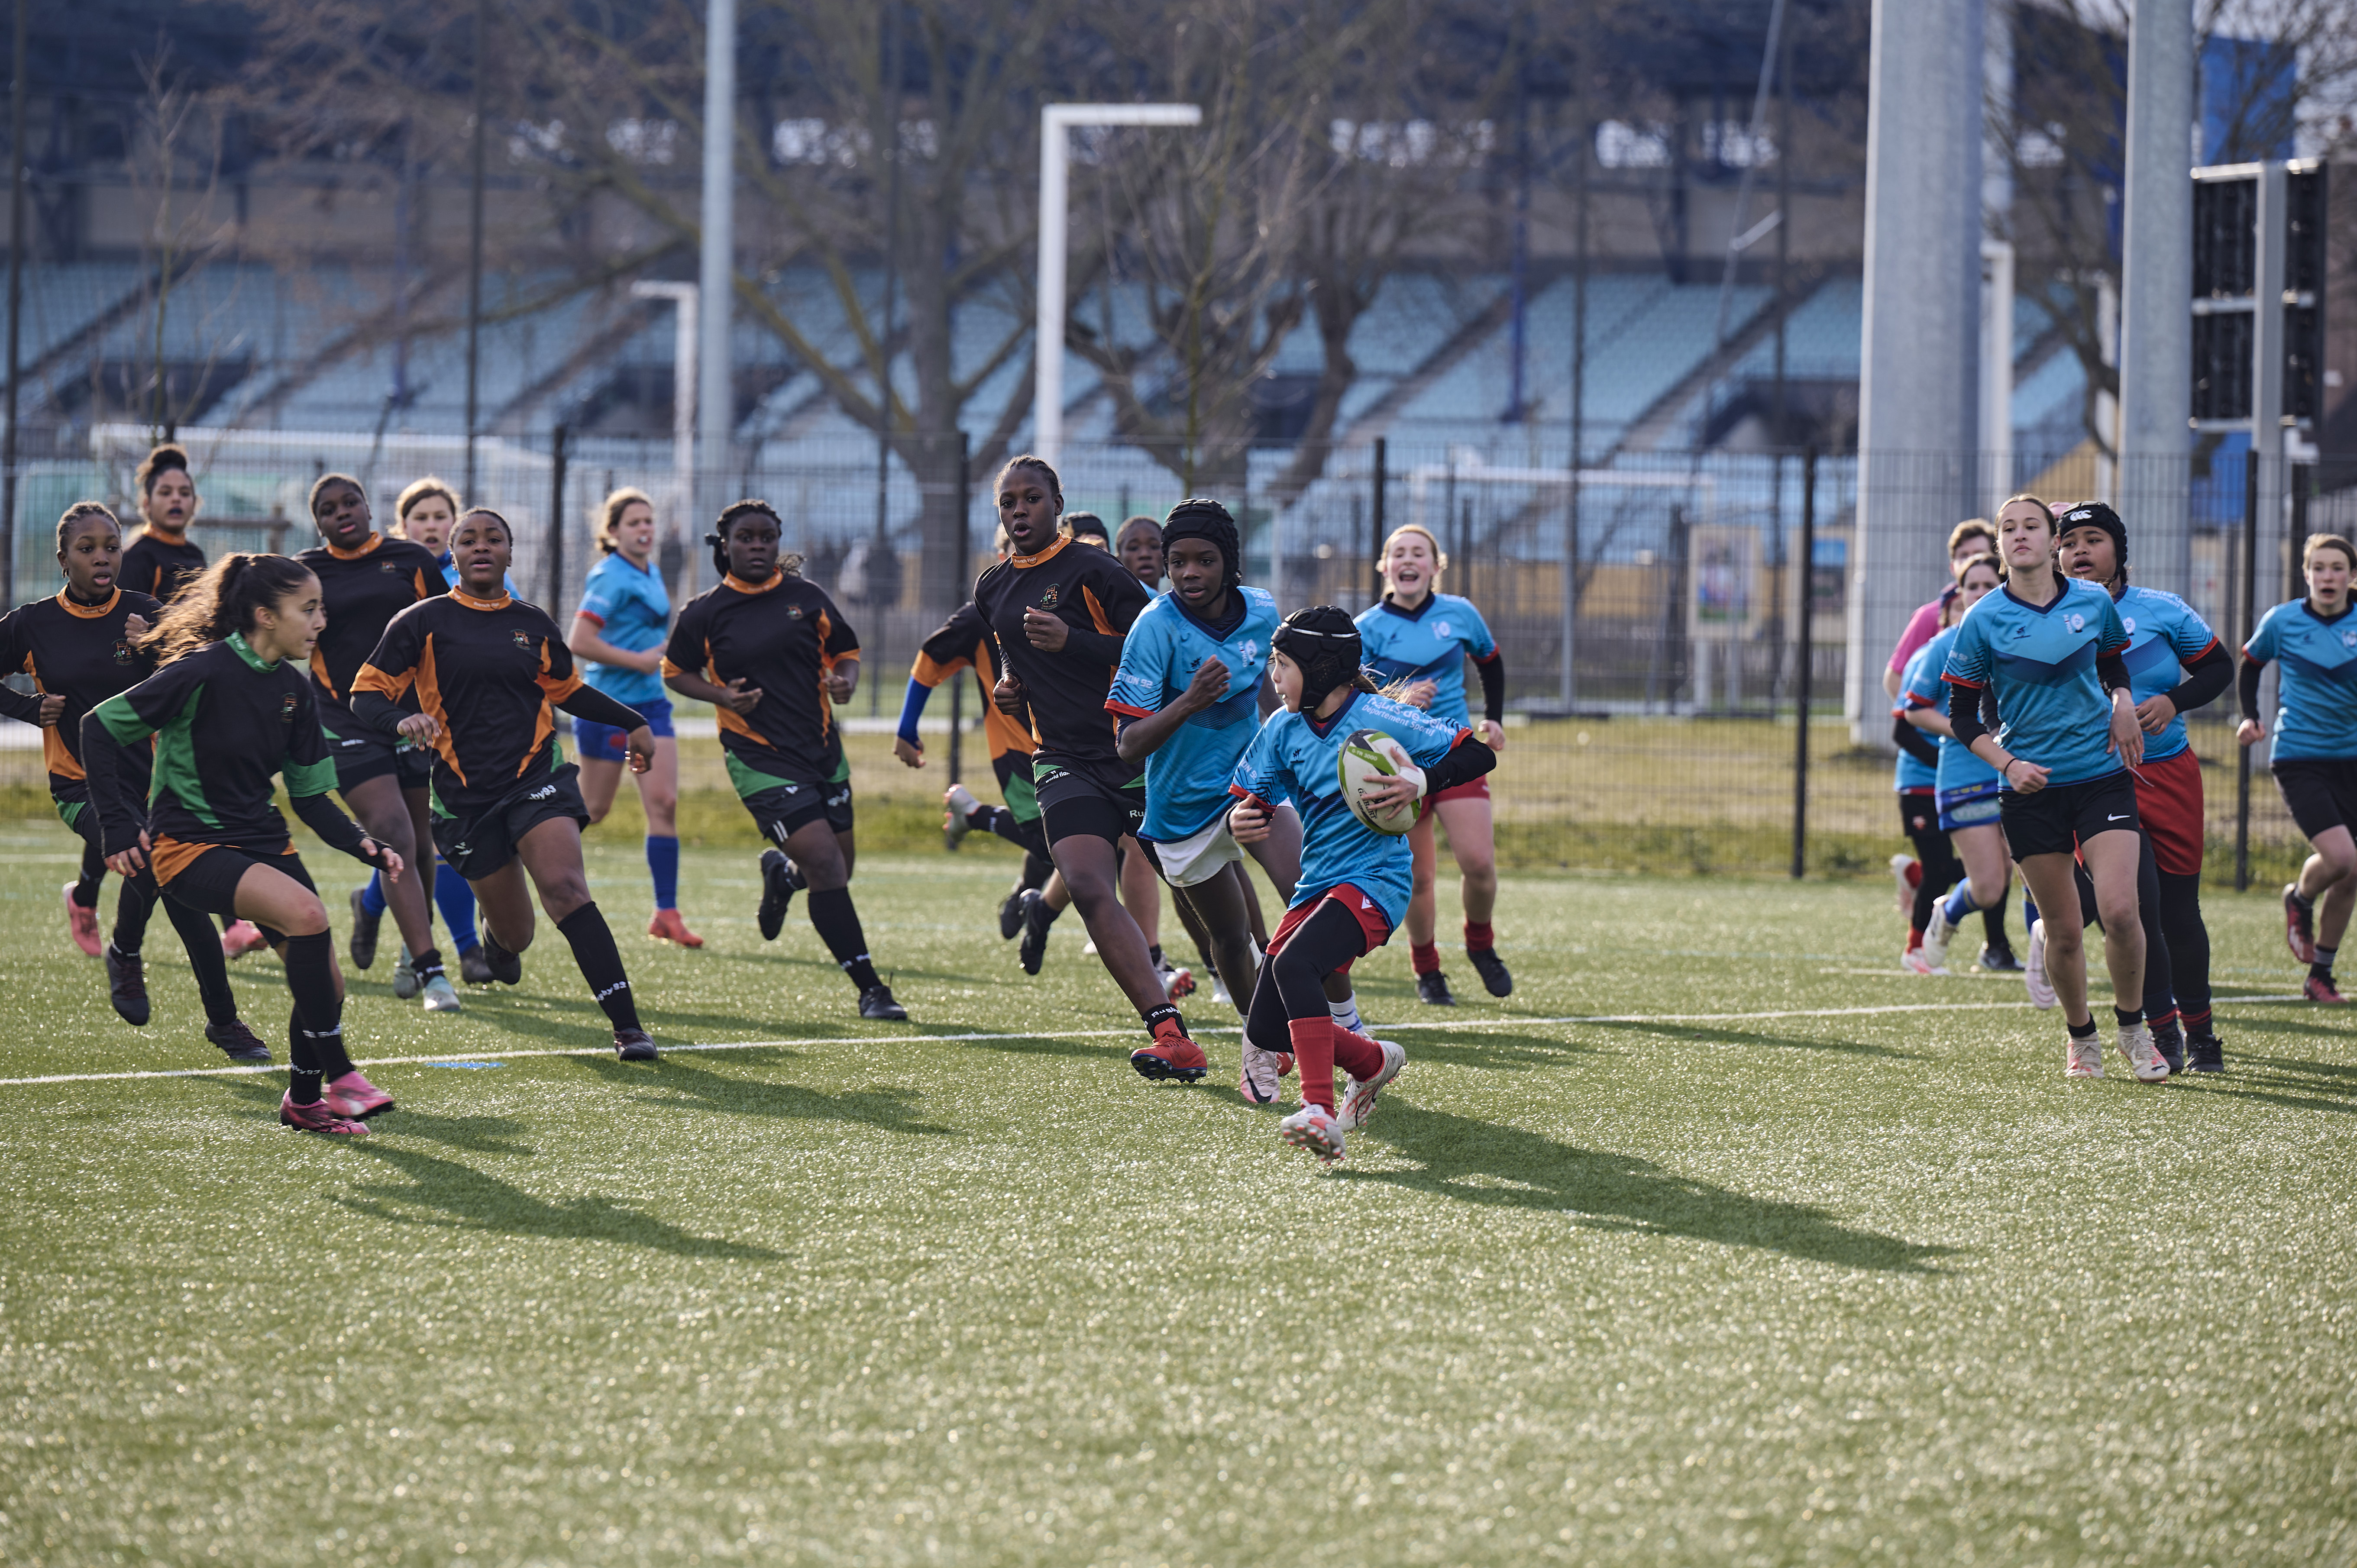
(1370, 756)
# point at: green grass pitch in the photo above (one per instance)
(1779, 1256)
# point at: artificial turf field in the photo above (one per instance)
(1792, 1258)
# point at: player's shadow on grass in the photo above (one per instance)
(1481, 1162)
(2290, 1081)
(447, 1195)
(678, 1085)
(1719, 1034)
(1492, 1049)
(577, 1021)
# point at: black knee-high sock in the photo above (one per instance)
(314, 1034)
(93, 872)
(131, 907)
(592, 941)
(1993, 920)
(837, 920)
(203, 947)
(1037, 869)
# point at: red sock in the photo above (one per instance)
(1423, 957)
(1478, 937)
(1357, 1055)
(1914, 938)
(1313, 1057)
(1915, 874)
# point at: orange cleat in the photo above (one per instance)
(667, 926)
(242, 938)
(81, 924)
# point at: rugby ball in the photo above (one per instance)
(1370, 756)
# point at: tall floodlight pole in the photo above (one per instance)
(682, 395)
(15, 309)
(717, 399)
(475, 240)
(2157, 278)
(1056, 120)
(1918, 392)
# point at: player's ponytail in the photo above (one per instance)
(223, 599)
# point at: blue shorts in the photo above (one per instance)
(1973, 806)
(604, 742)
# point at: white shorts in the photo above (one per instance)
(1185, 862)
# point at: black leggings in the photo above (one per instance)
(1937, 858)
(1292, 984)
(136, 902)
(2189, 948)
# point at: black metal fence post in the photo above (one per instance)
(1375, 523)
(556, 520)
(2250, 626)
(964, 560)
(1803, 656)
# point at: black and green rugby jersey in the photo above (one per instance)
(780, 637)
(487, 670)
(157, 566)
(226, 723)
(361, 590)
(1096, 597)
(80, 653)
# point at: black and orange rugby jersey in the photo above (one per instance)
(157, 567)
(782, 637)
(1098, 597)
(80, 652)
(361, 590)
(225, 724)
(488, 671)
(964, 641)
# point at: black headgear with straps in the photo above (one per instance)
(2095, 514)
(1198, 518)
(1324, 641)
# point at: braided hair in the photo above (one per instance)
(789, 563)
(81, 513)
(222, 600)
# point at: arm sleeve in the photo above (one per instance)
(1260, 772)
(16, 704)
(337, 831)
(377, 711)
(559, 678)
(1466, 760)
(1965, 718)
(2205, 677)
(1145, 673)
(2112, 669)
(120, 818)
(1915, 743)
(685, 654)
(912, 708)
(586, 702)
(1492, 672)
(2246, 686)
(838, 641)
(950, 649)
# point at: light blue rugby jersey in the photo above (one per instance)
(1187, 780)
(2164, 636)
(633, 613)
(2042, 662)
(1427, 644)
(1959, 768)
(1914, 773)
(2316, 680)
(1297, 758)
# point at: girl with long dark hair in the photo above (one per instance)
(231, 707)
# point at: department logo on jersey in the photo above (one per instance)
(2128, 623)
(286, 705)
(2075, 621)
(2349, 637)
(1250, 649)
(1047, 599)
(522, 639)
(1441, 627)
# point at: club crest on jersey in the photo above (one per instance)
(1441, 628)
(522, 639)
(2075, 621)
(389, 568)
(1250, 649)
(2349, 637)
(2127, 623)
(287, 709)
(794, 612)
(1047, 599)
(122, 651)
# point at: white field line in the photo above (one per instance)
(1082, 1035)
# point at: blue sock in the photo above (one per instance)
(2028, 908)
(456, 902)
(1960, 904)
(662, 861)
(373, 896)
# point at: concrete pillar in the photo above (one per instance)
(2156, 297)
(715, 398)
(1920, 384)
